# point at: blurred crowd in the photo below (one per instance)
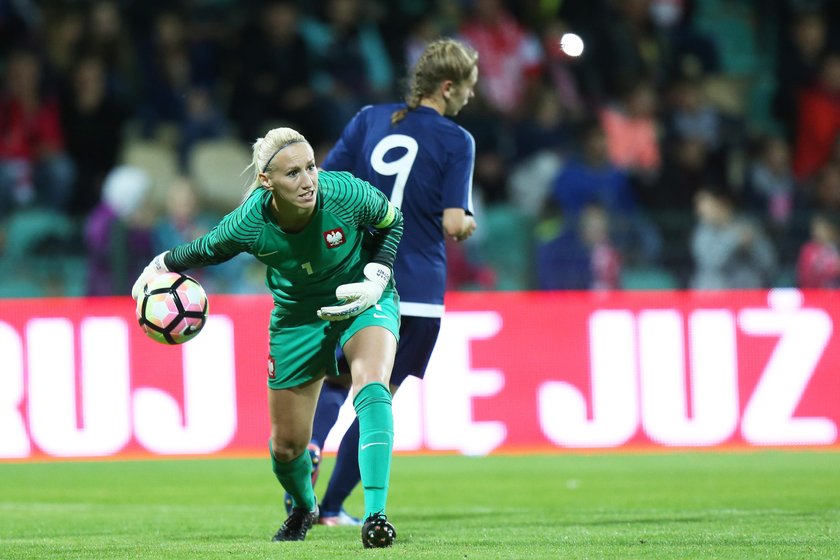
(693, 144)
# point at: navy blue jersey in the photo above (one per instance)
(424, 164)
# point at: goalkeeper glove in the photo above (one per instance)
(358, 296)
(157, 266)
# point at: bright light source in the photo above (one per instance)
(571, 44)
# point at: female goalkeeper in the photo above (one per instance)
(322, 237)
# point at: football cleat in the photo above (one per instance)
(315, 455)
(338, 519)
(297, 525)
(377, 532)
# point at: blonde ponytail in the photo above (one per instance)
(444, 59)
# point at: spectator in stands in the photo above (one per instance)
(670, 200)
(690, 51)
(183, 220)
(818, 119)
(631, 131)
(105, 37)
(92, 118)
(544, 127)
(33, 166)
(64, 32)
(491, 173)
(818, 265)
(165, 74)
(686, 168)
(626, 45)
(19, 21)
(825, 188)
(774, 195)
(202, 120)
(273, 74)
(407, 27)
(178, 91)
(592, 178)
(541, 143)
(604, 258)
(354, 67)
(692, 115)
(421, 32)
(561, 260)
(464, 271)
(511, 56)
(117, 233)
(729, 251)
(770, 186)
(803, 44)
(576, 255)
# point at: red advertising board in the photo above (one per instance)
(511, 372)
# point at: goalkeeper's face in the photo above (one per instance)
(461, 93)
(293, 177)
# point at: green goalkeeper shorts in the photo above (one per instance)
(300, 351)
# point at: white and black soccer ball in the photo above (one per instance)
(173, 308)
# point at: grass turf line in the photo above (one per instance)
(768, 504)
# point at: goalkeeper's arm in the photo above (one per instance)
(385, 238)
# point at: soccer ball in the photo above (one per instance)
(172, 309)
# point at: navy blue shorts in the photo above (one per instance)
(418, 336)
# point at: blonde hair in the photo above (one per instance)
(266, 148)
(443, 59)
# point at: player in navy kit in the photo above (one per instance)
(423, 162)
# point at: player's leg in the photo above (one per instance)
(345, 474)
(333, 394)
(332, 397)
(291, 411)
(418, 336)
(344, 478)
(300, 355)
(370, 353)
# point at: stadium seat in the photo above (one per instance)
(647, 278)
(786, 277)
(505, 244)
(13, 286)
(39, 231)
(157, 159)
(42, 255)
(731, 26)
(216, 168)
(74, 271)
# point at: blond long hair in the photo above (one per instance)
(443, 59)
(265, 149)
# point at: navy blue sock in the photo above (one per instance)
(329, 402)
(346, 475)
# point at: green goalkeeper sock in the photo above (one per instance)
(296, 478)
(376, 440)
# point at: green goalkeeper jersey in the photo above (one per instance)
(353, 224)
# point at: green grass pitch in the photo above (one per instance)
(763, 504)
